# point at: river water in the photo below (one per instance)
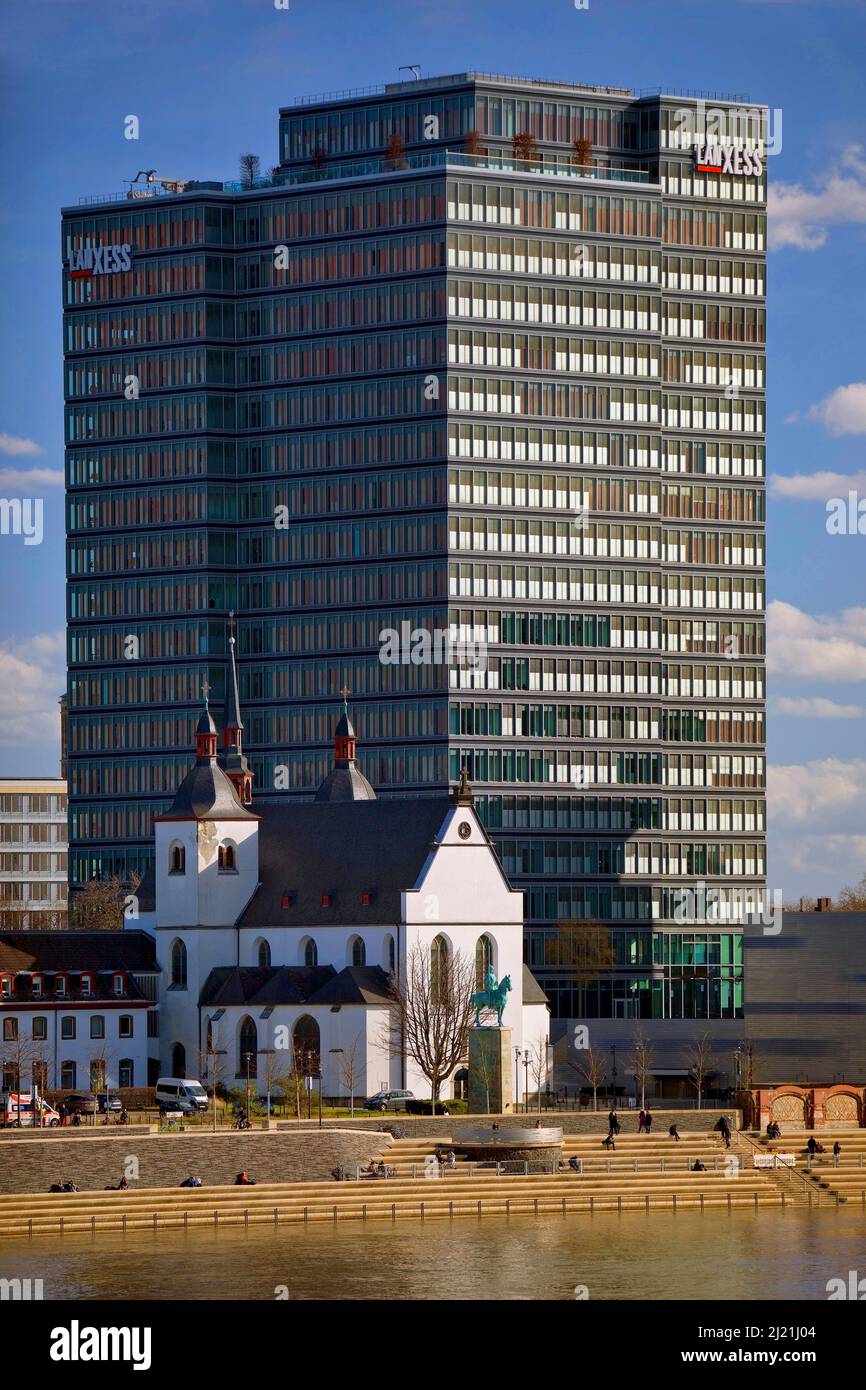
(760, 1255)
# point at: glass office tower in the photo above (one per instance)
(482, 356)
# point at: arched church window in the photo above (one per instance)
(306, 1045)
(264, 955)
(227, 858)
(358, 953)
(178, 1060)
(390, 955)
(248, 1048)
(483, 960)
(438, 970)
(311, 953)
(178, 966)
(177, 860)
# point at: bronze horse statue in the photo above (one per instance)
(491, 998)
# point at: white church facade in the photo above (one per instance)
(281, 928)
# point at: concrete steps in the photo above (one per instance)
(155, 1209)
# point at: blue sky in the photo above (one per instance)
(205, 78)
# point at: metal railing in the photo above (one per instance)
(694, 94)
(381, 164)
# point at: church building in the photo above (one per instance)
(281, 928)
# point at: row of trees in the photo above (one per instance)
(592, 1065)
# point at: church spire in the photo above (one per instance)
(205, 733)
(345, 782)
(231, 758)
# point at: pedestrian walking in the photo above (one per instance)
(613, 1122)
(647, 1122)
(641, 1122)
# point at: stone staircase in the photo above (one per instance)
(824, 1180)
(643, 1174)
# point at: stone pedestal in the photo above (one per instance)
(490, 1071)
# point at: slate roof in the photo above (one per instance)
(130, 950)
(345, 782)
(532, 991)
(206, 793)
(256, 986)
(343, 849)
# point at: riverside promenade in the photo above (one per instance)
(652, 1173)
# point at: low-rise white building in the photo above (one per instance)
(78, 1009)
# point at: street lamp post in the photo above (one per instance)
(268, 1052)
(517, 1077)
(526, 1081)
(248, 1057)
(213, 1054)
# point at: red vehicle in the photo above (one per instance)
(23, 1110)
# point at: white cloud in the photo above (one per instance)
(826, 648)
(30, 480)
(816, 791)
(32, 679)
(843, 411)
(815, 707)
(801, 217)
(816, 487)
(11, 444)
(816, 815)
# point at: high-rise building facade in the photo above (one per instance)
(483, 357)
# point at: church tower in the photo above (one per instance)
(207, 859)
(231, 755)
(345, 782)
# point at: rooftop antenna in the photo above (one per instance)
(414, 68)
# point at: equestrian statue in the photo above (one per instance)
(491, 997)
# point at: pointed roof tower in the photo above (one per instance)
(206, 793)
(231, 756)
(344, 782)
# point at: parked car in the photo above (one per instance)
(389, 1100)
(84, 1102)
(106, 1102)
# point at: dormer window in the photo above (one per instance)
(60, 986)
(177, 860)
(287, 900)
(117, 984)
(227, 859)
(366, 899)
(6, 986)
(327, 899)
(86, 987)
(36, 986)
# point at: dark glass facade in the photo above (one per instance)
(417, 384)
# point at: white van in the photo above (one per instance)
(179, 1093)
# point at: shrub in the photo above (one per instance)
(425, 1107)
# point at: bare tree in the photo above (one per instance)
(700, 1056)
(350, 1070)
(586, 950)
(538, 1066)
(18, 1056)
(852, 899)
(430, 1016)
(640, 1062)
(213, 1066)
(250, 167)
(593, 1069)
(99, 905)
